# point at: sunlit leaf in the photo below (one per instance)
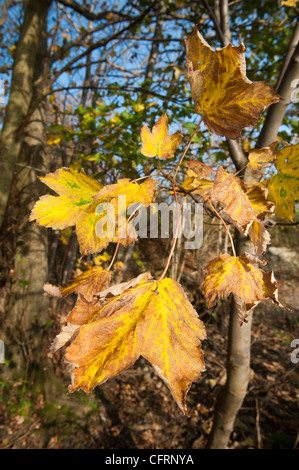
(198, 179)
(82, 202)
(158, 142)
(289, 3)
(260, 158)
(153, 319)
(88, 283)
(284, 186)
(221, 92)
(229, 274)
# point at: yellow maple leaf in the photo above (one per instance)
(198, 179)
(88, 283)
(134, 193)
(230, 274)
(75, 192)
(221, 92)
(288, 3)
(78, 203)
(260, 158)
(284, 186)
(53, 140)
(262, 208)
(258, 198)
(231, 192)
(153, 319)
(158, 142)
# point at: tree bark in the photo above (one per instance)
(25, 323)
(231, 397)
(20, 95)
(277, 111)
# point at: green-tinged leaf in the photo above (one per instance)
(284, 186)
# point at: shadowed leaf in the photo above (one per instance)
(221, 92)
(88, 283)
(231, 192)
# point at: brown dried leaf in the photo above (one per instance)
(118, 289)
(84, 311)
(68, 333)
(88, 283)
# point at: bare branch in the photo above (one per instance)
(292, 46)
(90, 15)
(277, 111)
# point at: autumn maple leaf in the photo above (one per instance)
(231, 192)
(151, 318)
(260, 158)
(79, 203)
(284, 186)
(221, 92)
(262, 208)
(158, 142)
(230, 274)
(88, 283)
(198, 179)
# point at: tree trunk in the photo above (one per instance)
(277, 111)
(20, 95)
(230, 399)
(25, 324)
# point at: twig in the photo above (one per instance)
(258, 430)
(186, 149)
(118, 241)
(225, 225)
(175, 235)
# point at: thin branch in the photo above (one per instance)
(82, 10)
(175, 234)
(186, 149)
(277, 111)
(292, 46)
(96, 45)
(225, 225)
(215, 21)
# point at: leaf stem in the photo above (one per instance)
(118, 241)
(203, 164)
(225, 225)
(115, 253)
(175, 234)
(186, 149)
(144, 177)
